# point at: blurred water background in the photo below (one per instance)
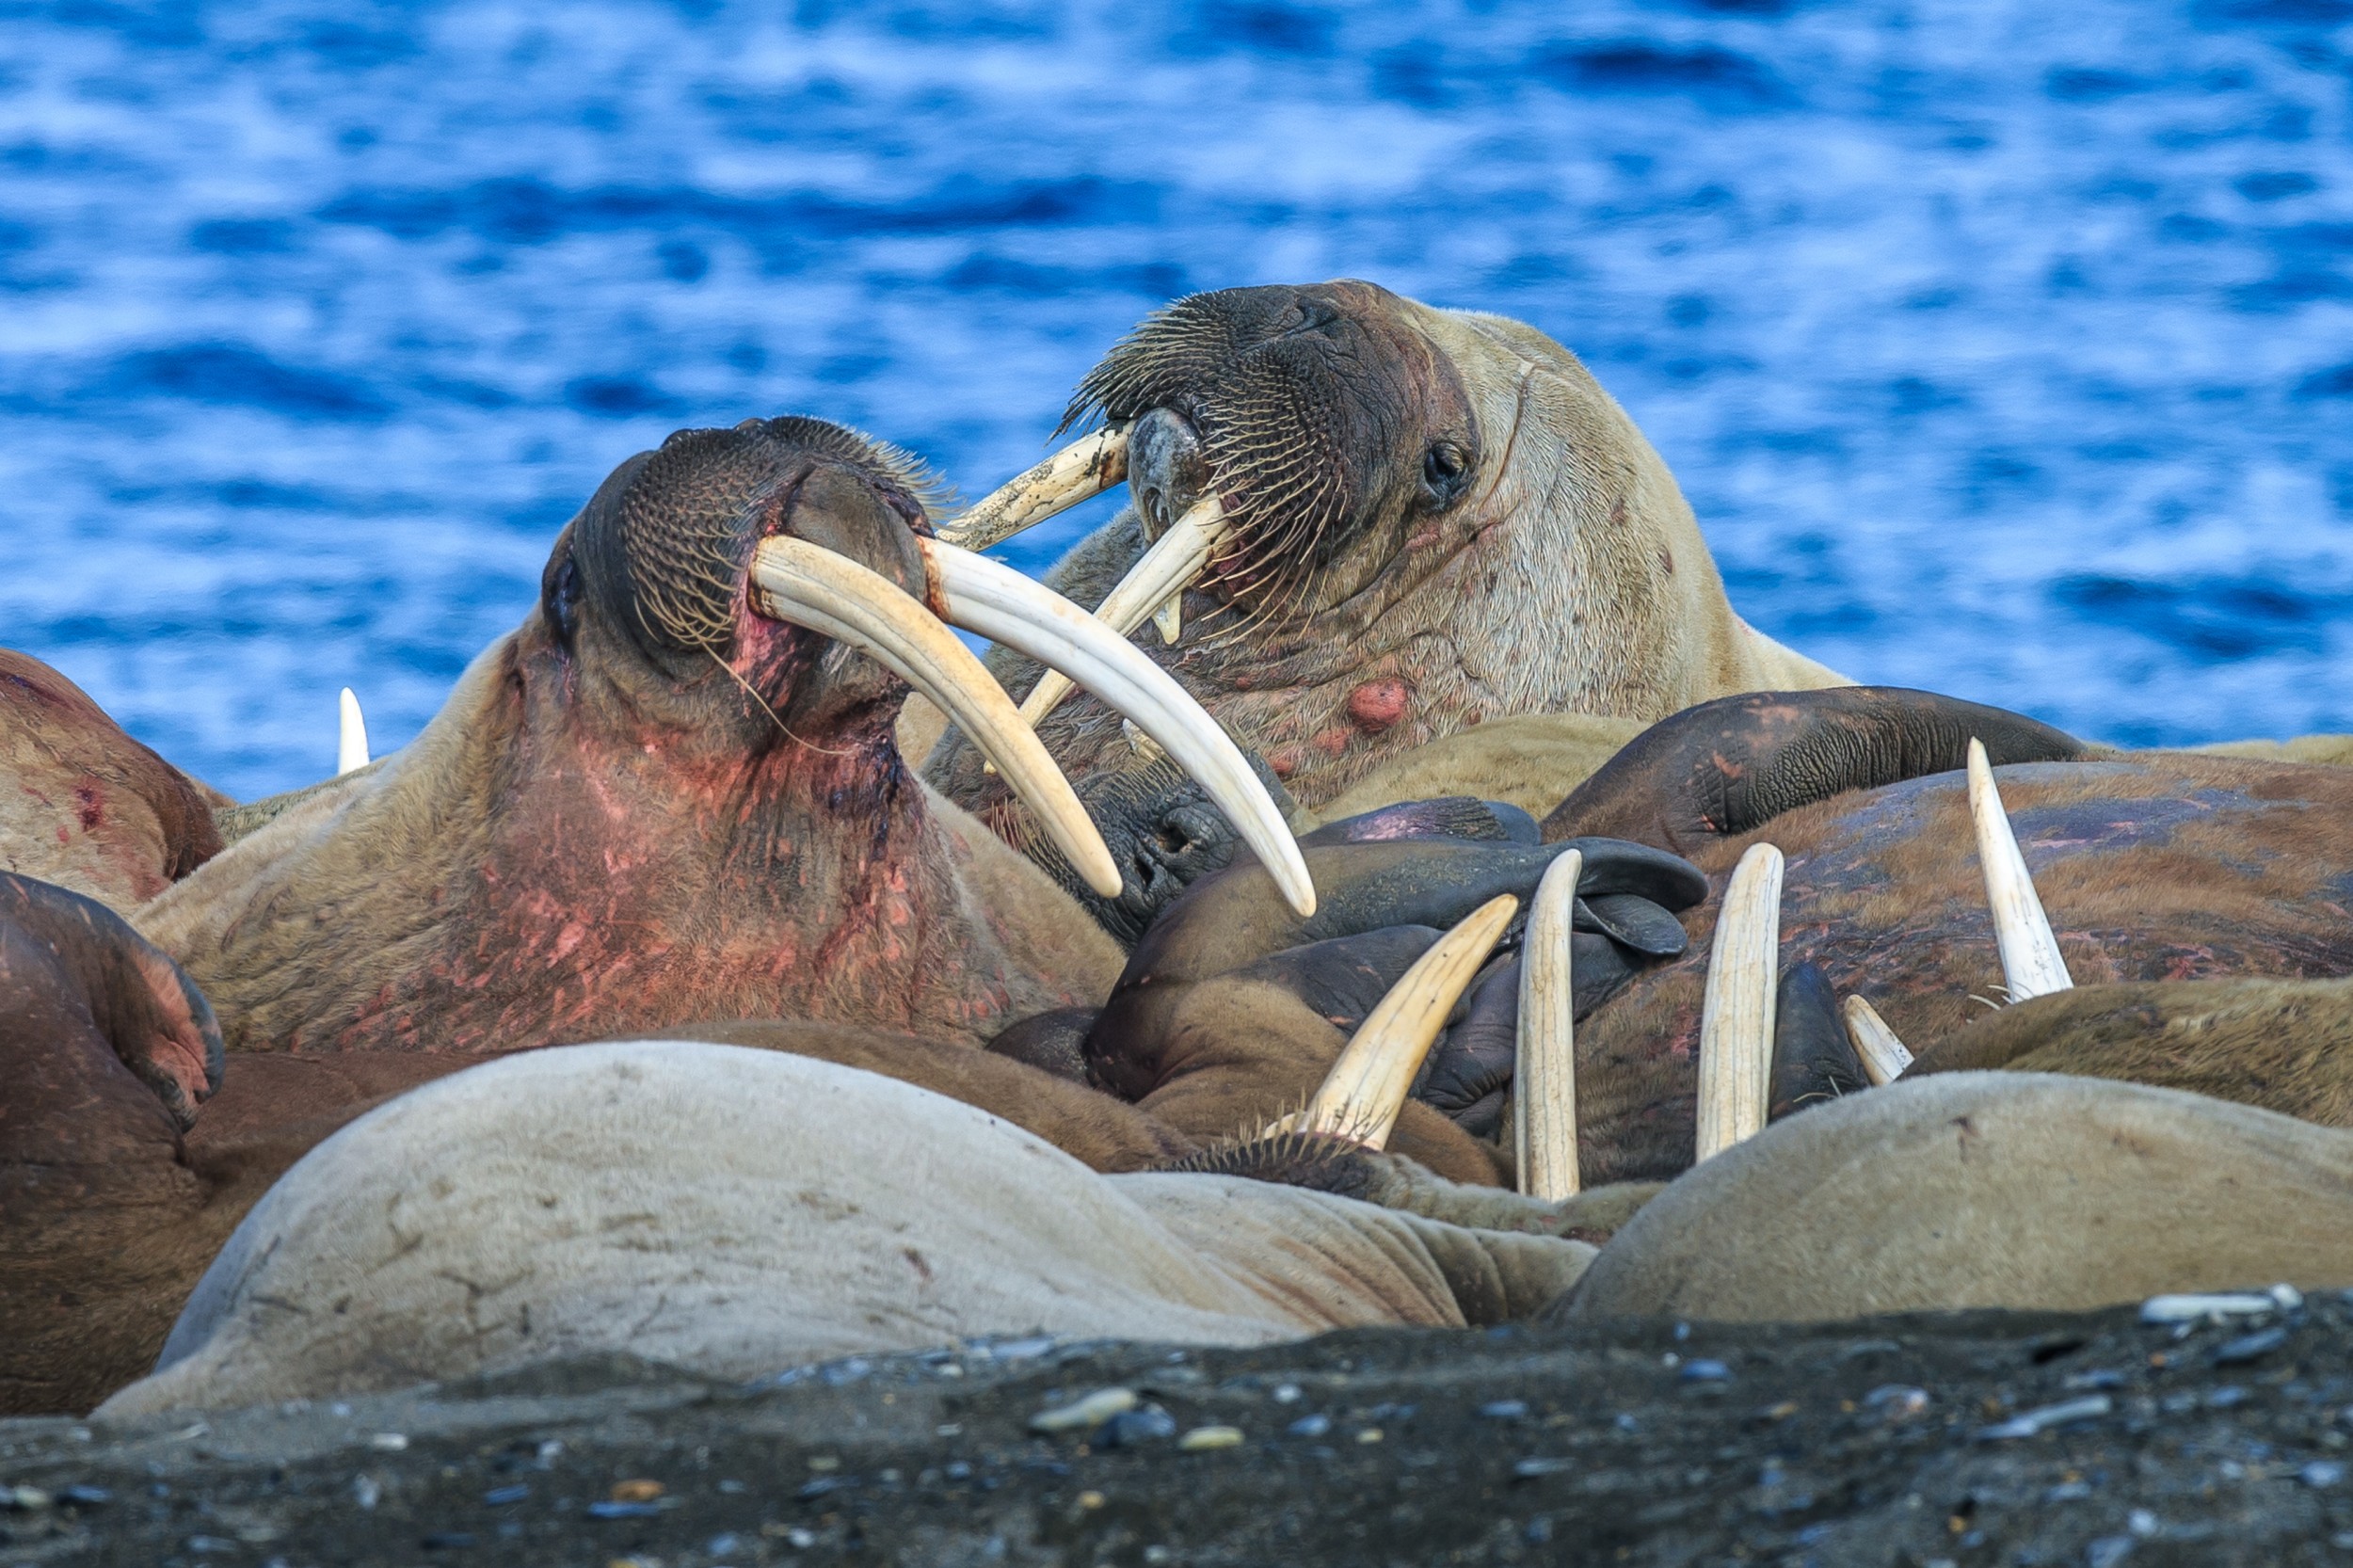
(2004, 347)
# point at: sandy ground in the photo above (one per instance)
(1964, 1439)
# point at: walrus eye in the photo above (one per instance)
(564, 599)
(1444, 472)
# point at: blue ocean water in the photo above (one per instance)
(2004, 347)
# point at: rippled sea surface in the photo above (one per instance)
(2003, 347)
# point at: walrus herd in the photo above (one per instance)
(1375, 879)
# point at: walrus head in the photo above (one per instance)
(1328, 423)
(1362, 523)
(674, 792)
(648, 588)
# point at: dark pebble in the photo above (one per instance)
(822, 1486)
(210, 1544)
(1504, 1410)
(499, 1496)
(1129, 1428)
(447, 1541)
(2251, 1347)
(87, 1497)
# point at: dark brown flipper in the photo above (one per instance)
(1727, 766)
(106, 1052)
(1814, 1061)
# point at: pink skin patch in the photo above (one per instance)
(1377, 705)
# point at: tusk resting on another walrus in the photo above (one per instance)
(2031, 965)
(351, 741)
(1884, 1058)
(1736, 1018)
(1362, 1094)
(1543, 1082)
(997, 601)
(807, 584)
(1080, 472)
(1153, 585)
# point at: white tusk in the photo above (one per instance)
(1544, 1084)
(1361, 1097)
(2031, 965)
(809, 585)
(351, 743)
(1160, 576)
(1885, 1057)
(999, 604)
(1736, 1018)
(1080, 472)
(1170, 618)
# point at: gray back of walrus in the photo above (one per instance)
(1974, 1189)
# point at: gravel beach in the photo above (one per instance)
(1972, 1438)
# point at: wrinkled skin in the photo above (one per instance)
(2156, 866)
(1443, 519)
(85, 805)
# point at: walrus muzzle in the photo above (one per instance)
(799, 522)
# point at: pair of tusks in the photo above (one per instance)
(806, 585)
(1737, 1027)
(1154, 589)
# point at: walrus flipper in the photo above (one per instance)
(1722, 768)
(1814, 1061)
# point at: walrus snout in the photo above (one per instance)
(1167, 472)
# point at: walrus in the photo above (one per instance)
(548, 1205)
(672, 795)
(2221, 875)
(1423, 519)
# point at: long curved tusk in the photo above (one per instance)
(1362, 1094)
(1160, 576)
(2031, 965)
(809, 585)
(1080, 472)
(1544, 1084)
(999, 604)
(351, 742)
(1736, 1018)
(1884, 1058)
